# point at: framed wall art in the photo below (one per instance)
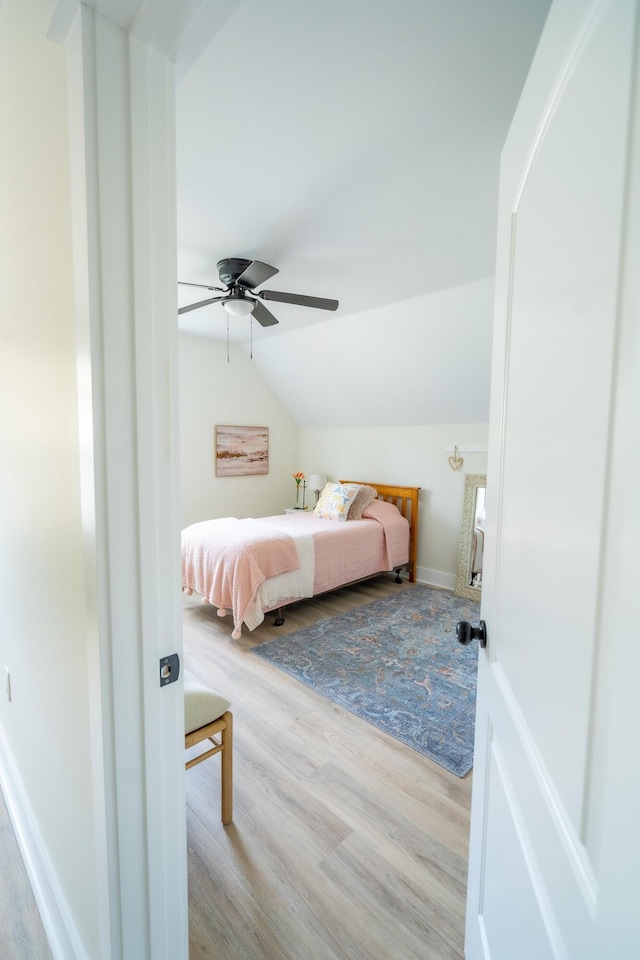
(241, 451)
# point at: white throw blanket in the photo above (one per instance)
(295, 584)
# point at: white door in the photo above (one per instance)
(555, 851)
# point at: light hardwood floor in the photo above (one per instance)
(345, 845)
(22, 935)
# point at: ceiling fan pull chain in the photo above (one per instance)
(251, 334)
(227, 338)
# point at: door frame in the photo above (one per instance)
(121, 101)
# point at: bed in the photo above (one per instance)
(250, 567)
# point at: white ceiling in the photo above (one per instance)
(353, 145)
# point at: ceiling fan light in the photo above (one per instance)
(238, 308)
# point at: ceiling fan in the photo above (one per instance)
(239, 296)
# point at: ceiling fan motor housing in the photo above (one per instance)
(230, 269)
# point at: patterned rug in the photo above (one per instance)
(397, 664)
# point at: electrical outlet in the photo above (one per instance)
(8, 683)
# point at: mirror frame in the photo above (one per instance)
(462, 589)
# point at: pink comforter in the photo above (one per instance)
(227, 560)
(350, 551)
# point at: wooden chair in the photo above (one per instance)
(207, 717)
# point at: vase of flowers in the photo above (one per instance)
(299, 479)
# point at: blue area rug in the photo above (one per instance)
(397, 664)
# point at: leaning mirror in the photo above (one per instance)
(471, 547)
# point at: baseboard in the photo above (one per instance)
(59, 928)
(435, 578)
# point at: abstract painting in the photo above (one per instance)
(242, 451)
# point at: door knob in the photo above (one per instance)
(466, 633)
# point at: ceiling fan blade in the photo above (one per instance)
(187, 283)
(320, 302)
(196, 306)
(256, 273)
(262, 315)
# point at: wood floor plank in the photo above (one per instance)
(346, 844)
(401, 921)
(22, 935)
(261, 899)
(370, 815)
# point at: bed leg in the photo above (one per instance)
(279, 620)
(398, 578)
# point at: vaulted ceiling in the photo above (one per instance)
(353, 145)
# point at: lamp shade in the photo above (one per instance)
(316, 481)
(238, 307)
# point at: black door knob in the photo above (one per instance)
(466, 633)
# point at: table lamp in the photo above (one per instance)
(316, 482)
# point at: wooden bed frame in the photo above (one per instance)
(406, 500)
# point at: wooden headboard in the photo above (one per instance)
(406, 500)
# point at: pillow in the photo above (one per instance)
(381, 510)
(335, 500)
(363, 498)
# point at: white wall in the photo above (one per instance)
(413, 456)
(216, 392)
(45, 760)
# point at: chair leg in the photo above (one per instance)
(226, 777)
